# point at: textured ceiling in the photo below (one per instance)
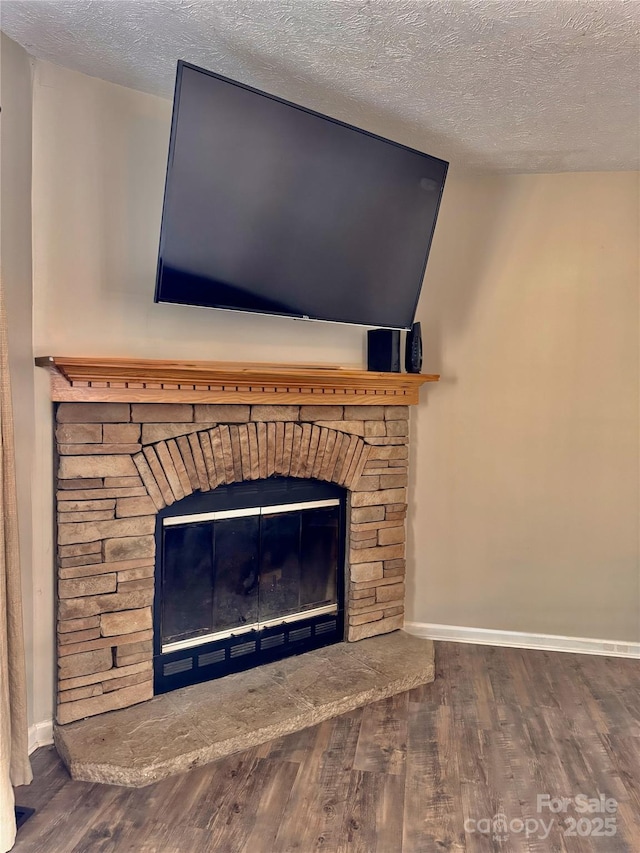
(508, 85)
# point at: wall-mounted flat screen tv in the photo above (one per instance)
(273, 208)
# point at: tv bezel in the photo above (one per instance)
(182, 64)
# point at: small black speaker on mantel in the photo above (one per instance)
(383, 350)
(413, 350)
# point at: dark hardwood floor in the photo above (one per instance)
(497, 729)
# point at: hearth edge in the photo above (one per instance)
(404, 662)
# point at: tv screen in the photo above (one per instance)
(273, 208)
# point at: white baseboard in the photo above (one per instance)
(518, 640)
(40, 734)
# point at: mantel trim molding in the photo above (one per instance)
(105, 380)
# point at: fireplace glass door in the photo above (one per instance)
(264, 575)
(243, 569)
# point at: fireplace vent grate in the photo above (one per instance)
(177, 666)
(212, 657)
(300, 633)
(243, 649)
(325, 627)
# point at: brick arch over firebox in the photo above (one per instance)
(120, 463)
(176, 467)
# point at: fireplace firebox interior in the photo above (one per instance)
(246, 574)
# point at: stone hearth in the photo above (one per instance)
(204, 722)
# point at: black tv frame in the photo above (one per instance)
(182, 64)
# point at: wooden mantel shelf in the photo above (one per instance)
(156, 381)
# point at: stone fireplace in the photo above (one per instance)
(129, 450)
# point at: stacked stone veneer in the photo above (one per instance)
(119, 463)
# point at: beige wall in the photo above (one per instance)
(15, 267)
(526, 512)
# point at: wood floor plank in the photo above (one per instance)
(498, 728)
(624, 753)
(432, 803)
(382, 741)
(271, 808)
(237, 813)
(627, 836)
(488, 802)
(219, 798)
(316, 807)
(606, 682)
(162, 838)
(66, 818)
(389, 813)
(105, 836)
(459, 661)
(576, 777)
(502, 791)
(294, 747)
(373, 816)
(438, 692)
(525, 765)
